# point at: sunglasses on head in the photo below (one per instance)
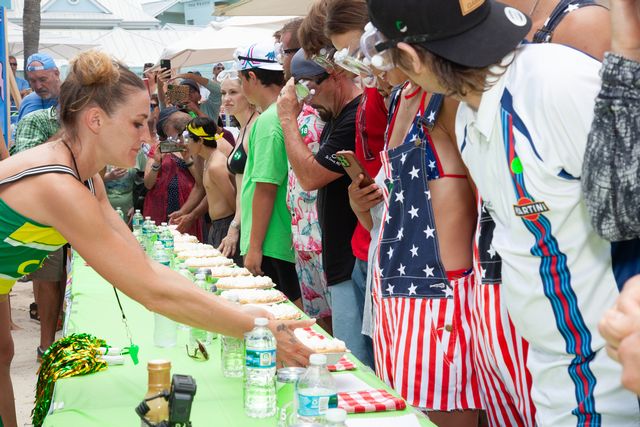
(199, 353)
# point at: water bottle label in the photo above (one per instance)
(260, 358)
(314, 406)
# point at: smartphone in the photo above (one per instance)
(172, 145)
(353, 167)
(165, 63)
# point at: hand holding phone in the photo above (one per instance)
(353, 167)
(165, 63)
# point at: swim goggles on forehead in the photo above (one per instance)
(370, 42)
(231, 74)
(324, 58)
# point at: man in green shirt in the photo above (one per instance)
(265, 234)
(34, 129)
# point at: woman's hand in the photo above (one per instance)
(290, 351)
(230, 242)
(164, 76)
(114, 173)
(158, 155)
(363, 199)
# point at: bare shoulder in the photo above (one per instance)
(447, 118)
(591, 20)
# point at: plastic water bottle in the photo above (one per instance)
(232, 351)
(195, 333)
(260, 371)
(120, 213)
(165, 331)
(160, 254)
(147, 227)
(166, 238)
(315, 391)
(336, 417)
(137, 220)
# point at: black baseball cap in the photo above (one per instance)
(191, 83)
(472, 33)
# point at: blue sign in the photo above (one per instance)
(5, 101)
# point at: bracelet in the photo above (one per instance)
(188, 164)
(235, 224)
(155, 167)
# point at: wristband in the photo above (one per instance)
(155, 167)
(235, 224)
(188, 164)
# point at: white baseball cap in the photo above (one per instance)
(259, 55)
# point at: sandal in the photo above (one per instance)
(33, 312)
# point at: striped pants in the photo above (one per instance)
(422, 348)
(500, 361)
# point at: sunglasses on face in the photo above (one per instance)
(13, 64)
(199, 353)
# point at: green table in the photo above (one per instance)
(108, 398)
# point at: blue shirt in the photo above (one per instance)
(22, 83)
(33, 102)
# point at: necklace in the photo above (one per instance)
(533, 9)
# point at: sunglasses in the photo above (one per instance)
(13, 64)
(154, 106)
(199, 353)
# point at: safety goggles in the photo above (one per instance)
(199, 352)
(353, 61)
(375, 48)
(324, 58)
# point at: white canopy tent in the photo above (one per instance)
(265, 7)
(219, 40)
(60, 47)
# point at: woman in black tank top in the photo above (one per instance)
(235, 103)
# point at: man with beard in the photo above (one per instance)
(44, 78)
(336, 98)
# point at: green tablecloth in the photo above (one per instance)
(108, 398)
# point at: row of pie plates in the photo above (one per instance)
(256, 290)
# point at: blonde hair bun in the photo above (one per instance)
(95, 68)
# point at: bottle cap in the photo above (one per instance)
(137, 210)
(336, 415)
(164, 224)
(318, 359)
(159, 364)
(261, 321)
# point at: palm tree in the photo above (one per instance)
(31, 28)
